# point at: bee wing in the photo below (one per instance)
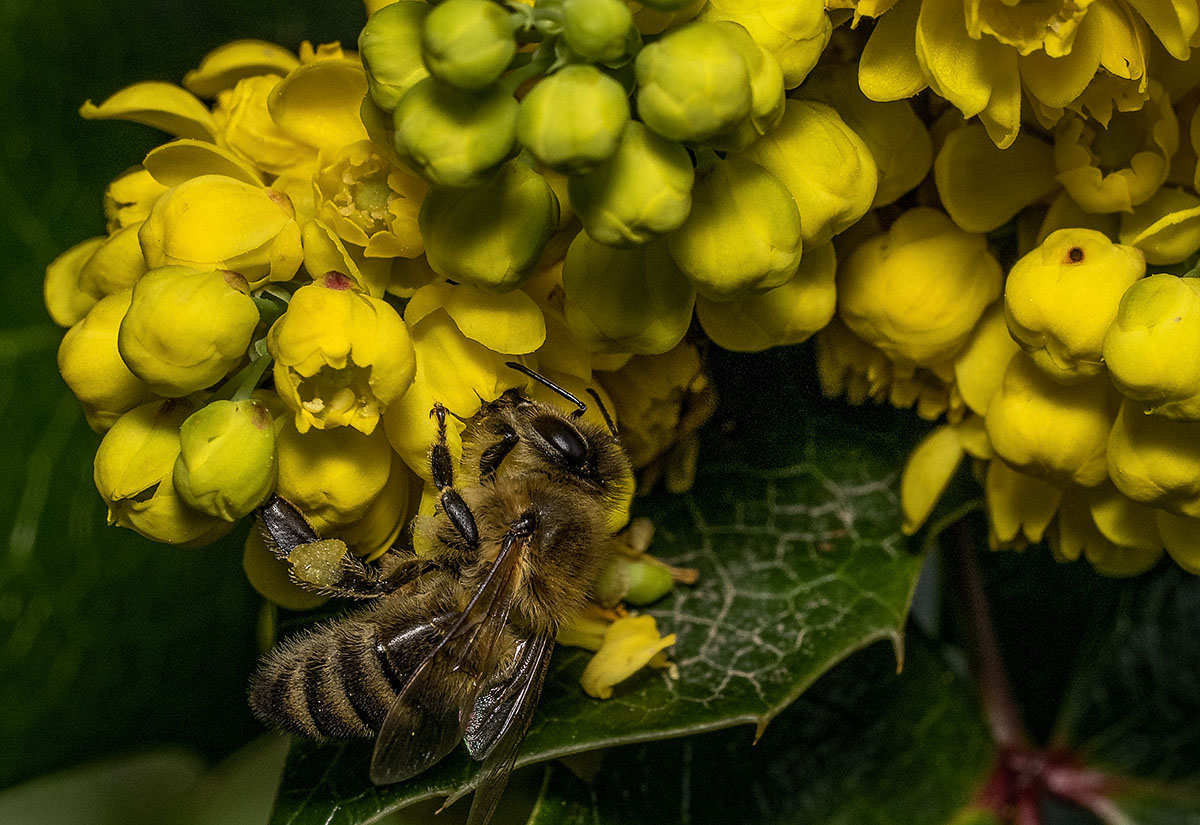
(427, 719)
(500, 720)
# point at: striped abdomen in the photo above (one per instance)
(340, 680)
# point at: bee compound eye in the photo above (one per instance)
(562, 437)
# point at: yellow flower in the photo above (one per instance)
(1156, 461)
(268, 574)
(92, 366)
(186, 330)
(629, 645)
(217, 222)
(1060, 299)
(980, 55)
(1054, 431)
(824, 164)
(226, 465)
(1019, 506)
(795, 32)
(133, 469)
(246, 128)
(787, 314)
(341, 357)
(979, 367)
(1151, 347)
(128, 199)
(334, 475)
(65, 300)
(1166, 227)
(1077, 534)
(228, 64)
(1115, 168)
(917, 291)
(370, 203)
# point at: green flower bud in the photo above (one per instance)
(92, 367)
(453, 137)
(186, 330)
(390, 48)
(826, 166)
(1155, 460)
(917, 290)
(573, 120)
(643, 191)
(490, 236)
(743, 233)
(625, 300)
(1060, 299)
(1152, 348)
(1054, 431)
(693, 84)
(226, 465)
(635, 581)
(766, 91)
(467, 43)
(599, 31)
(133, 469)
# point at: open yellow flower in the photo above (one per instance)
(982, 54)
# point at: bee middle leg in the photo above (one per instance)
(441, 465)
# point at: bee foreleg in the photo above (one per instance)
(441, 465)
(490, 461)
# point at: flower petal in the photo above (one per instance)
(318, 103)
(225, 65)
(164, 106)
(173, 163)
(888, 68)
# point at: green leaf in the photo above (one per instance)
(793, 525)
(864, 745)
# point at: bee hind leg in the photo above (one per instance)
(441, 465)
(321, 565)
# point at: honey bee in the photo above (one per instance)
(457, 642)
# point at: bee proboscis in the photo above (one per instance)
(456, 644)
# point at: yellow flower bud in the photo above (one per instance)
(1054, 431)
(216, 222)
(92, 367)
(66, 302)
(117, 264)
(899, 142)
(629, 645)
(384, 521)
(128, 199)
(625, 300)
(268, 574)
(1019, 506)
(340, 356)
(1123, 521)
(1116, 168)
(918, 290)
(1077, 534)
(133, 469)
(1156, 461)
(1152, 348)
(186, 330)
(226, 465)
(332, 476)
(1060, 299)
(1181, 535)
(824, 164)
(743, 232)
(787, 314)
(979, 367)
(795, 33)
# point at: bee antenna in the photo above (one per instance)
(612, 427)
(546, 382)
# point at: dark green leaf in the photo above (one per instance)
(793, 525)
(864, 745)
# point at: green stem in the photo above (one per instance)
(245, 381)
(543, 58)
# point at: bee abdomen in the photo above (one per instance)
(313, 687)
